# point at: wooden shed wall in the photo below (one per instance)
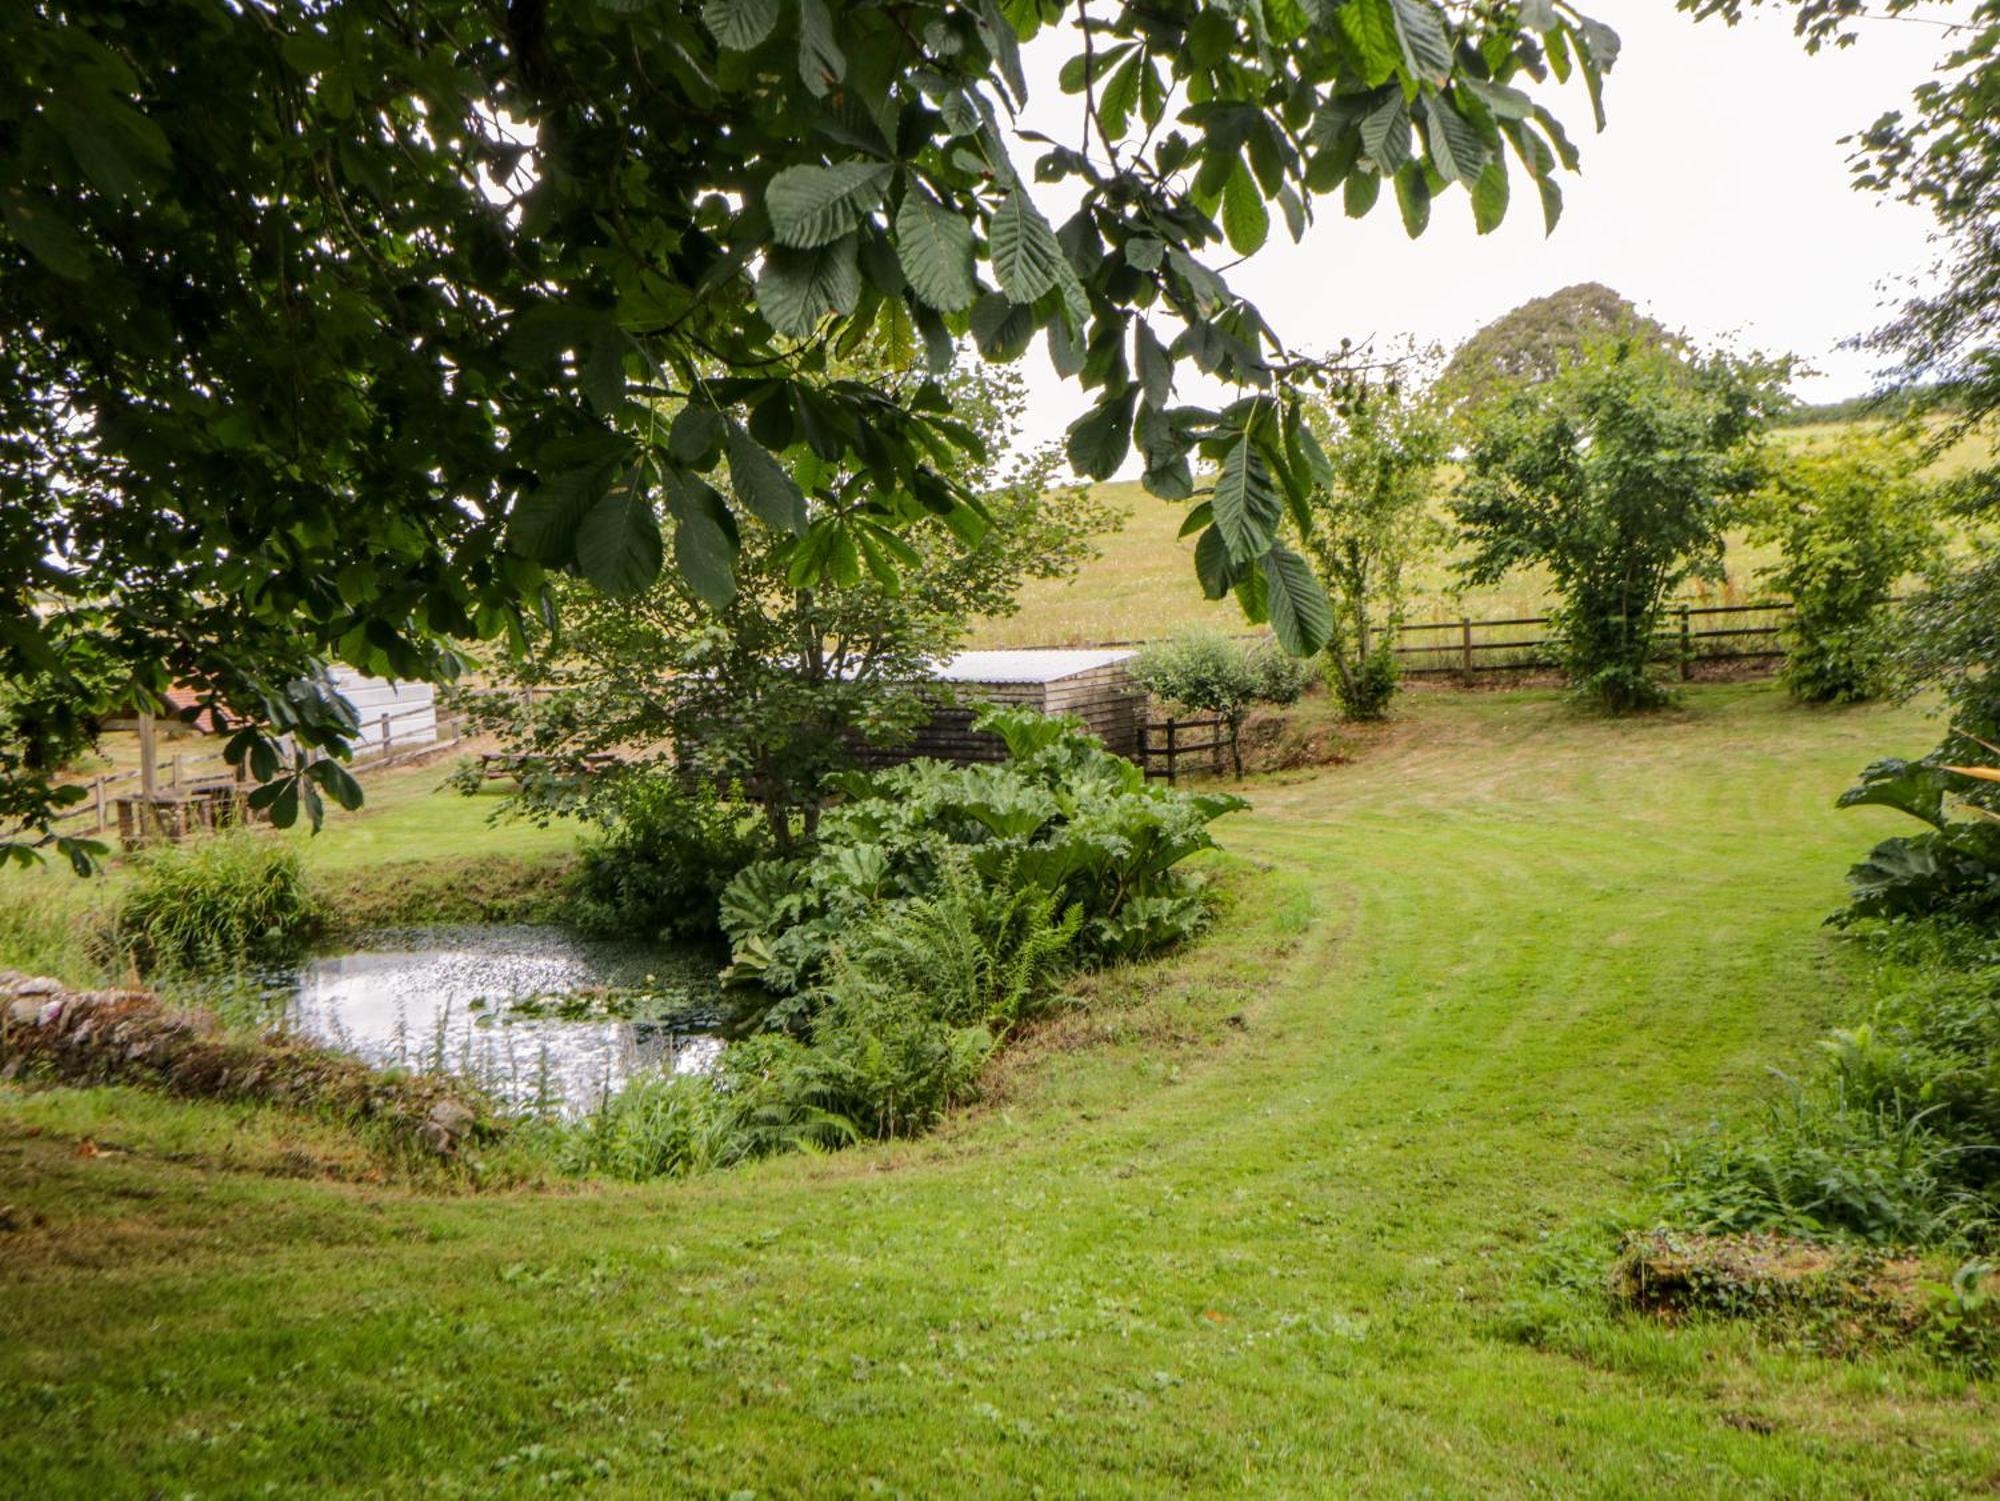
(1108, 701)
(950, 736)
(1111, 705)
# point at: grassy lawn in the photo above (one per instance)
(411, 815)
(1258, 1220)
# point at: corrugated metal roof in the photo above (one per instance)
(1031, 665)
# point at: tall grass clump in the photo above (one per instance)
(678, 1125)
(214, 904)
(47, 918)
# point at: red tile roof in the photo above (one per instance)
(182, 698)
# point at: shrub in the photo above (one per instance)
(1277, 676)
(1895, 1142)
(937, 914)
(1063, 818)
(1614, 474)
(667, 852)
(1825, 1164)
(1365, 688)
(882, 1061)
(878, 1064)
(1851, 522)
(1954, 870)
(976, 954)
(1951, 872)
(1932, 1051)
(1371, 520)
(215, 903)
(1207, 672)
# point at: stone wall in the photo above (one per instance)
(49, 1031)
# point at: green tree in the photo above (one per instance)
(1851, 521)
(1615, 475)
(1533, 341)
(1948, 638)
(770, 692)
(335, 327)
(1368, 524)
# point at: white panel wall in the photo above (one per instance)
(411, 707)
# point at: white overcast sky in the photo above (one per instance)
(1717, 199)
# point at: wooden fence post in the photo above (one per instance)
(98, 784)
(1465, 642)
(149, 772)
(388, 737)
(1170, 752)
(1687, 647)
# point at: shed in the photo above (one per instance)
(1095, 685)
(392, 714)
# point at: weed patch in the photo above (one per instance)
(1840, 1300)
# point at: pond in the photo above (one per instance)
(542, 1017)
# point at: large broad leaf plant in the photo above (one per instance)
(1062, 817)
(333, 326)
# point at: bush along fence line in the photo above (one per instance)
(171, 795)
(1466, 648)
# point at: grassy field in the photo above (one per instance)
(1143, 584)
(1262, 1220)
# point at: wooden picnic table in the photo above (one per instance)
(494, 765)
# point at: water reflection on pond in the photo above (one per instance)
(542, 1017)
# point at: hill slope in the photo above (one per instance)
(1143, 584)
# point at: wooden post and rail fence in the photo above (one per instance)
(168, 796)
(1466, 648)
(1164, 743)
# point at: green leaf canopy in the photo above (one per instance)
(335, 325)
